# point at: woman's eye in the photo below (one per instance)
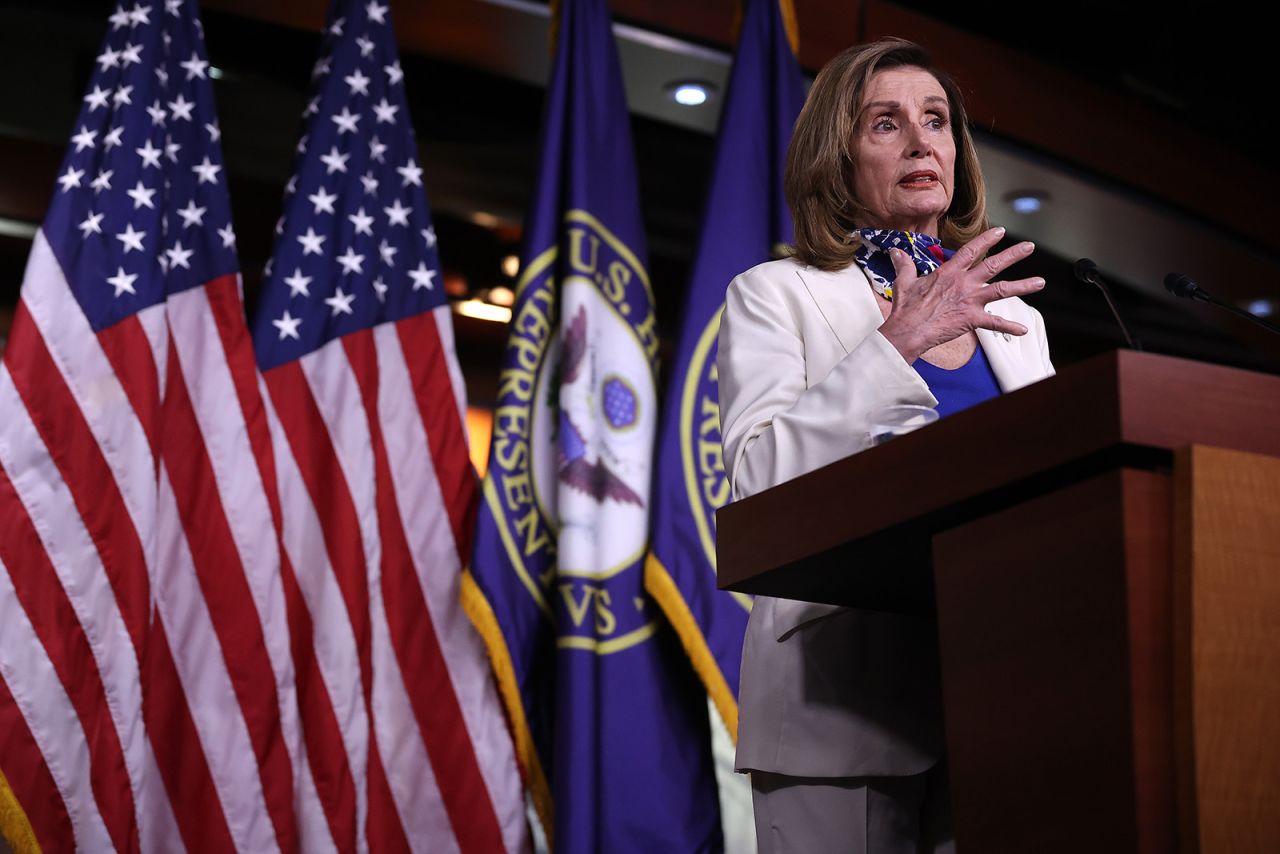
(883, 124)
(937, 122)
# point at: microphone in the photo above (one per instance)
(1087, 272)
(1183, 286)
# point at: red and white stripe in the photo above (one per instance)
(229, 620)
(145, 650)
(377, 494)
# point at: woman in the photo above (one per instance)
(840, 717)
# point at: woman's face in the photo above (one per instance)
(904, 153)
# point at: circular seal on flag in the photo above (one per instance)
(701, 452)
(590, 426)
(593, 427)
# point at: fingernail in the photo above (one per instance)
(1000, 230)
(1039, 282)
(1028, 246)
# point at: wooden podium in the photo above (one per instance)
(1102, 553)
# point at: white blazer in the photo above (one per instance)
(829, 691)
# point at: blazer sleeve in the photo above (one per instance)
(779, 420)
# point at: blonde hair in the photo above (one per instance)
(820, 164)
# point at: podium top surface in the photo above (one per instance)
(1118, 409)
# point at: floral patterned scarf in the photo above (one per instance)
(872, 255)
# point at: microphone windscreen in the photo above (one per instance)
(1181, 286)
(1086, 271)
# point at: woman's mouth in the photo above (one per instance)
(922, 180)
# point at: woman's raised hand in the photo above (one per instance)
(950, 301)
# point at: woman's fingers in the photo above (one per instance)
(973, 255)
(972, 252)
(993, 265)
(1004, 290)
(996, 323)
(904, 269)
(954, 304)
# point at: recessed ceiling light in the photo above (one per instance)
(510, 266)
(1026, 201)
(690, 93)
(1261, 307)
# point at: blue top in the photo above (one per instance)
(968, 385)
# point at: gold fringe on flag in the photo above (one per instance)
(480, 612)
(15, 828)
(662, 587)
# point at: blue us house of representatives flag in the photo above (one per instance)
(610, 723)
(746, 221)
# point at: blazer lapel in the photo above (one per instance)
(1006, 360)
(845, 301)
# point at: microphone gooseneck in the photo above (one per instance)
(1087, 272)
(1181, 285)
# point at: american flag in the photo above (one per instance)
(354, 340)
(195, 652)
(146, 676)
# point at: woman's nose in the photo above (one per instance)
(918, 143)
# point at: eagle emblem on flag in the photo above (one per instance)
(618, 407)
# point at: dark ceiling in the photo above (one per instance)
(1201, 69)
